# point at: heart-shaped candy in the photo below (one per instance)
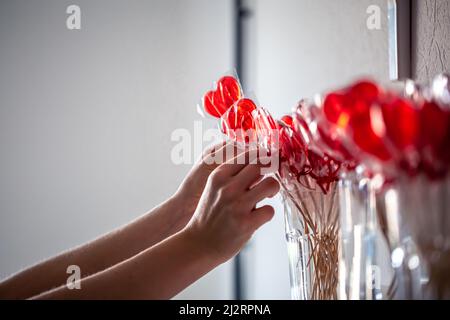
(238, 121)
(217, 102)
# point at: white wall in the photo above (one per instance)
(304, 47)
(86, 117)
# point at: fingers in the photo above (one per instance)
(233, 166)
(251, 174)
(209, 153)
(220, 153)
(267, 188)
(260, 216)
(212, 148)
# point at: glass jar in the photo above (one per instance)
(311, 221)
(418, 223)
(364, 269)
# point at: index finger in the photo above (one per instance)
(233, 166)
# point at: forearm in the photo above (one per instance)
(159, 272)
(102, 253)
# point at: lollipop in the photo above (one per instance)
(228, 91)
(238, 122)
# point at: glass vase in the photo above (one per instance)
(404, 256)
(417, 215)
(311, 222)
(364, 269)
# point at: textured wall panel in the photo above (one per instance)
(430, 38)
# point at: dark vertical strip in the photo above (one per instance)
(404, 38)
(239, 38)
(238, 63)
(238, 278)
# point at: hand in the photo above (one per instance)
(191, 189)
(226, 216)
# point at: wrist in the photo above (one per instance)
(174, 213)
(199, 244)
(185, 202)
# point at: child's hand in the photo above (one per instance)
(226, 217)
(191, 189)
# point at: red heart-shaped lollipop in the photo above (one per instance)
(402, 123)
(336, 109)
(217, 102)
(434, 123)
(365, 90)
(238, 122)
(324, 169)
(293, 150)
(287, 120)
(266, 129)
(334, 143)
(435, 127)
(402, 130)
(353, 109)
(342, 106)
(367, 139)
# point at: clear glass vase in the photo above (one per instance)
(418, 221)
(311, 221)
(364, 269)
(404, 256)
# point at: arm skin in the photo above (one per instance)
(100, 254)
(159, 272)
